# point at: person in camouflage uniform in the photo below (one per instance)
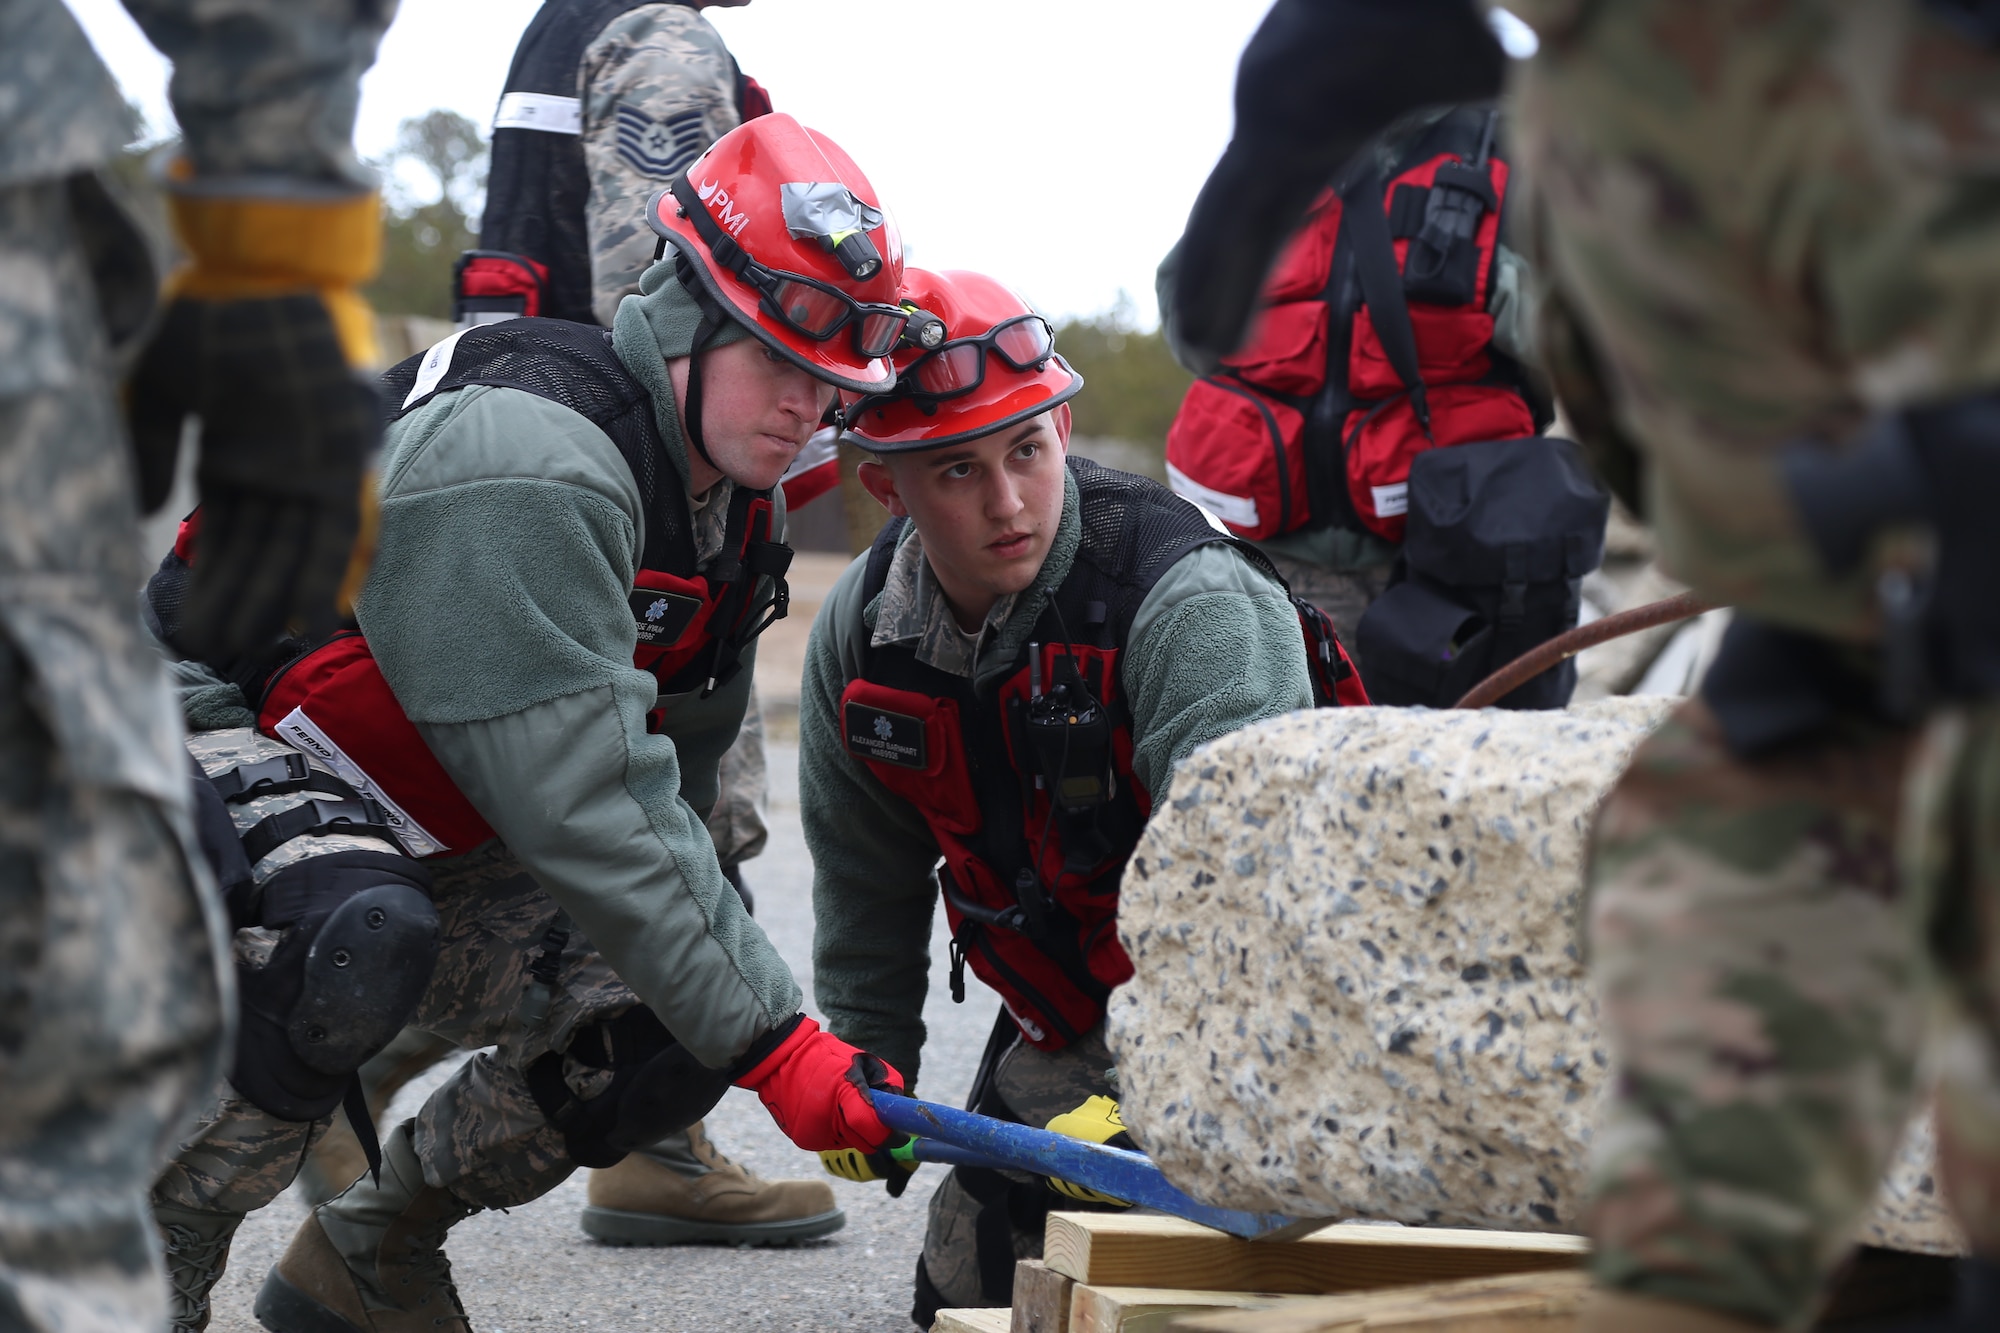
(1761, 225)
(112, 1002)
(1790, 231)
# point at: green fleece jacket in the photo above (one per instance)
(1215, 646)
(497, 608)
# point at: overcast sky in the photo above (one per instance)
(1056, 144)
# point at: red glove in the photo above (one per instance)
(816, 1087)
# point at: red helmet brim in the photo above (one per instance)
(900, 425)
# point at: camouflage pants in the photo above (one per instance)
(1032, 1087)
(735, 825)
(1768, 978)
(481, 1135)
(111, 1004)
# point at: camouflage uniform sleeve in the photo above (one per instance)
(268, 88)
(657, 87)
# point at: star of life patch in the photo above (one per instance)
(659, 148)
(662, 617)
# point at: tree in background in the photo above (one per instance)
(434, 189)
(1132, 387)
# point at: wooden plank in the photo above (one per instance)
(1151, 1309)
(1041, 1298)
(1516, 1303)
(1123, 1250)
(970, 1321)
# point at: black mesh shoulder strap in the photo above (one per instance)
(573, 365)
(1134, 531)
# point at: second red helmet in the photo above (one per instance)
(783, 229)
(996, 366)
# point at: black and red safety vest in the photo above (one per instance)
(691, 625)
(1373, 343)
(1031, 892)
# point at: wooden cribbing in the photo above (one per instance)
(1148, 1309)
(1041, 1298)
(1122, 1250)
(970, 1321)
(1516, 1303)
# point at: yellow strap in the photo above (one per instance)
(242, 248)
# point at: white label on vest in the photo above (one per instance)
(1391, 500)
(303, 734)
(432, 368)
(1027, 1025)
(539, 111)
(1239, 510)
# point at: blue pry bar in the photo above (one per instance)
(1130, 1176)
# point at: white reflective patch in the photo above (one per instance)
(435, 363)
(539, 111)
(821, 449)
(303, 734)
(1391, 500)
(1027, 1025)
(1237, 510)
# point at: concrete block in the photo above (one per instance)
(1359, 988)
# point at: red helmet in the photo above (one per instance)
(785, 232)
(997, 365)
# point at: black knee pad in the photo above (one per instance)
(348, 975)
(657, 1088)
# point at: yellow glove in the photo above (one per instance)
(1096, 1121)
(265, 341)
(892, 1166)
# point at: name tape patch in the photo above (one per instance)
(885, 737)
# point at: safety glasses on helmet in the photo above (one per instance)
(1025, 342)
(816, 309)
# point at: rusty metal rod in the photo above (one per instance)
(1541, 657)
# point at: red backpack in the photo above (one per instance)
(1374, 344)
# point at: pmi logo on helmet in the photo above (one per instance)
(720, 203)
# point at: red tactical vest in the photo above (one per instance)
(1373, 345)
(1031, 893)
(690, 626)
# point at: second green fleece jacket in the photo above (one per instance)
(1215, 646)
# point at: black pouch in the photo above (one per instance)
(1499, 537)
(1422, 646)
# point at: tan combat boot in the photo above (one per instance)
(682, 1189)
(197, 1245)
(372, 1261)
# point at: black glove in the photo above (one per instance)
(287, 430)
(1317, 81)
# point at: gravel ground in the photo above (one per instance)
(532, 1269)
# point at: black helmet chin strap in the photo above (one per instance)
(711, 320)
